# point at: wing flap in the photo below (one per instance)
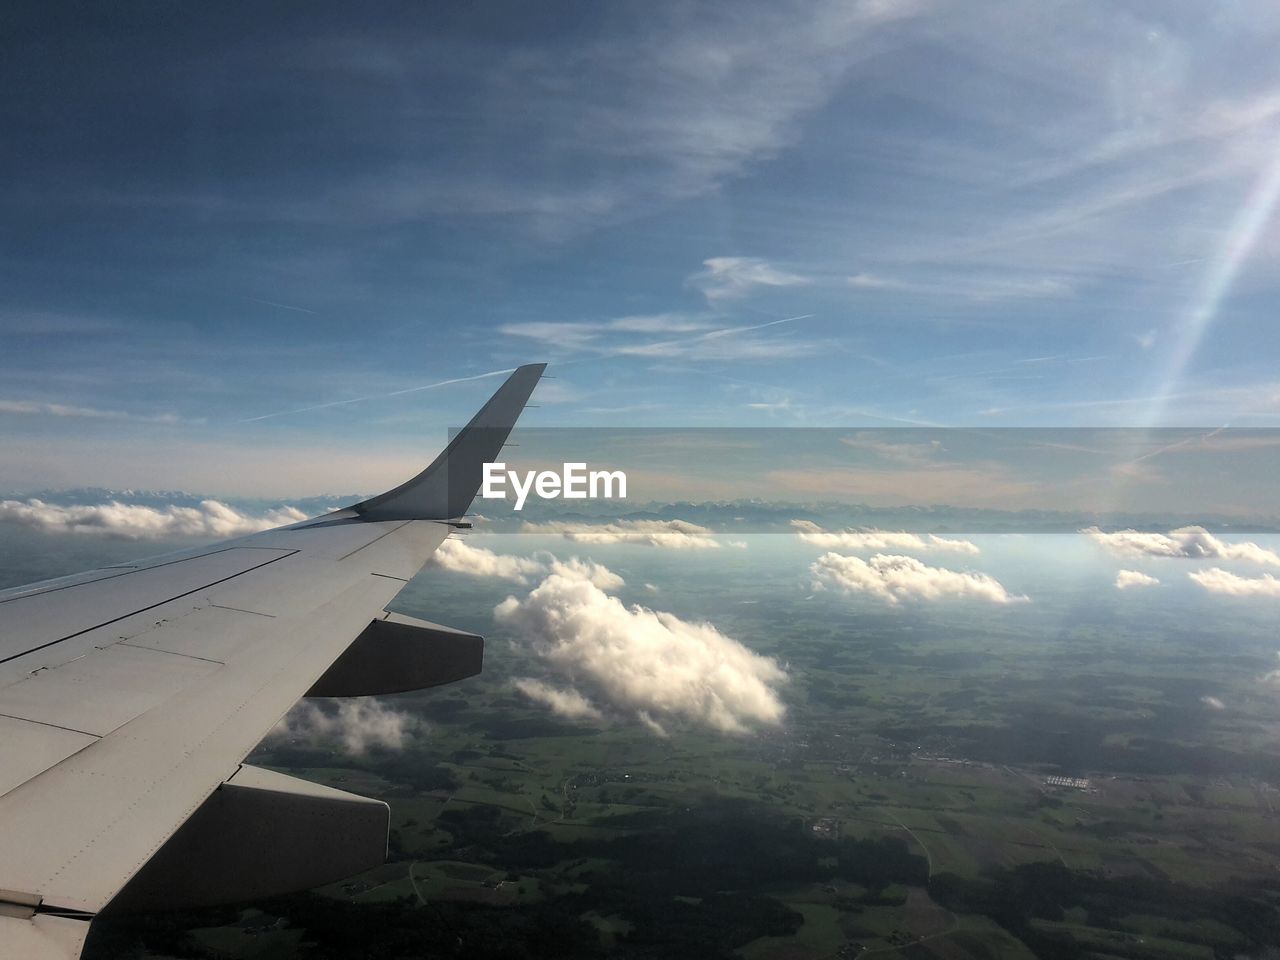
(42, 937)
(396, 654)
(261, 834)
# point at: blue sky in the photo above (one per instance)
(980, 213)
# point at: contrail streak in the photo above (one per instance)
(724, 332)
(282, 306)
(377, 396)
(648, 349)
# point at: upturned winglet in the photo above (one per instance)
(445, 489)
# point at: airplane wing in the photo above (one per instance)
(130, 695)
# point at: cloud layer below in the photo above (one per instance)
(354, 726)
(895, 578)
(133, 522)
(810, 532)
(637, 663)
(1127, 579)
(1217, 580)
(565, 703)
(462, 557)
(672, 534)
(1194, 543)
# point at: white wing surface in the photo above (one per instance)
(130, 695)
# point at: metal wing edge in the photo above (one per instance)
(446, 488)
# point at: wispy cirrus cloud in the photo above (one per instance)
(669, 109)
(211, 518)
(1082, 167)
(607, 335)
(330, 404)
(730, 278)
(896, 578)
(664, 336)
(729, 343)
(40, 409)
(977, 288)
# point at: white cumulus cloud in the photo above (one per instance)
(810, 532)
(1134, 578)
(1217, 580)
(565, 703)
(135, 522)
(353, 725)
(596, 574)
(462, 557)
(638, 663)
(1187, 542)
(672, 534)
(895, 578)
(727, 278)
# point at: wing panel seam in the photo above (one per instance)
(131, 613)
(172, 653)
(399, 526)
(54, 726)
(255, 613)
(125, 571)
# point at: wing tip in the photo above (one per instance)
(445, 489)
